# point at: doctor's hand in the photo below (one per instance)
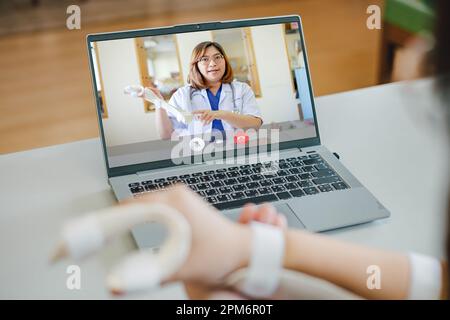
(207, 116)
(156, 92)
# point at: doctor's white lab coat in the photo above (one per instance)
(190, 99)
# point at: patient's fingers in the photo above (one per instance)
(248, 213)
(265, 213)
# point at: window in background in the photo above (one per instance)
(298, 71)
(99, 81)
(159, 65)
(238, 46)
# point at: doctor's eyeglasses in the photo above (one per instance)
(205, 60)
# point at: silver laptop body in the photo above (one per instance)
(306, 182)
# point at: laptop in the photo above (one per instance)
(279, 160)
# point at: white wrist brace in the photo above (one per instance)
(425, 277)
(261, 278)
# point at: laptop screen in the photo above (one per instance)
(205, 90)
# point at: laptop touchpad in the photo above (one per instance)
(282, 208)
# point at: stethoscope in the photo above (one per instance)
(193, 91)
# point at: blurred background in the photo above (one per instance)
(46, 95)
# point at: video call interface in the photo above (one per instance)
(155, 92)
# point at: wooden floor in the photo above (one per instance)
(45, 88)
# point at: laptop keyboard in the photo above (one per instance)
(256, 183)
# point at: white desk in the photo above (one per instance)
(382, 134)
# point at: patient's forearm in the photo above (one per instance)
(242, 121)
(346, 264)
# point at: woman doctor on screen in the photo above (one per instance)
(218, 103)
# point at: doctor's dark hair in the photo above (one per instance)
(195, 78)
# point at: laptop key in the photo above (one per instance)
(144, 183)
(184, 176)
(311, 190)
(314, 155)
(291, 186)
(323, 173)
(172, 178)
(134, 184)
(278, 188)
(297, 164)
(305, 184)
(257, 170)
(221, 170)
(237, 195)
(325, 188)
(304, 176)
(223, 197)
(295, 170)
(283, 173)
(340, 186)
(332, 179)
(233, 168)
(312, 161)
(265, 183)
(252, 185)
(205, 179)
(264, 190)
(297, 193)
(239, 187)
(160, 180)
(216, 184)
(285, 165)
(225, 190)
(191, 180)
(232, 174)
(283, 195)
(278, 180)
(137, 189)
(309, 169)
(202, 186)
(321, 166)
(257, 177)
(292, 178)
(164, 185)
(197, 174)
(219, 176)
(245, 172)
(211, 199)
(151, 187)
(241, 202)
(230, 182)
(251, 193)
(269, 174)
(211, 192)
(209, 172)
(243, 179)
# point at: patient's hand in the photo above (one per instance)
(219, 246)
(265, 213)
